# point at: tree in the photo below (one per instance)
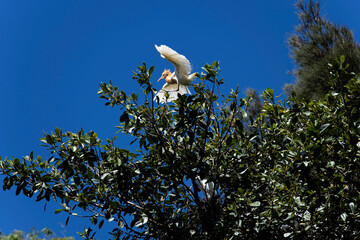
(316, 43)
(295, 175)
(45, 234)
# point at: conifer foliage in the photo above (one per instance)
(316, 43)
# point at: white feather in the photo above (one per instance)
(206, 187)
(175, 58)
(171, 89)
(180, 62)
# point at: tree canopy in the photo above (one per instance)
(213, 166)
(289, 172)
(45, 234)
(315, 43)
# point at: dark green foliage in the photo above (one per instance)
(295, 175)
(316, 43)
(255, 106)
(45, 234)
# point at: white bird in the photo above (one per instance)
(206, 187)
(172, 89)
(177, 81)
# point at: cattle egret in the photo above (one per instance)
(177, 81)
(206, 187)
(171, 89)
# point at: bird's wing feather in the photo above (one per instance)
(180, 62)
(206, 187)
(171, 89)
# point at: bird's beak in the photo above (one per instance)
(162, 77)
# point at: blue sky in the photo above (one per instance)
(54, 54)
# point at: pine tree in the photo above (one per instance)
(316, 43)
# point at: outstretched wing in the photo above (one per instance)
(171, 89)
(180, 62)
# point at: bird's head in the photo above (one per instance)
(165, 74)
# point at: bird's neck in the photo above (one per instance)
(170, 80)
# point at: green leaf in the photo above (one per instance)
(103, 176)
(287, 234)
(298, 201)
(342, 58)
(255, 204)
(151, 70)
(57, 132)
(343, 216)
(324, 127)
(93, 220)
(124, 117)
(101, 223)
(18, 190)
(352, 207)
(49, 139)
(59, 210)
(121, 224)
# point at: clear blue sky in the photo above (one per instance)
(53, 54)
